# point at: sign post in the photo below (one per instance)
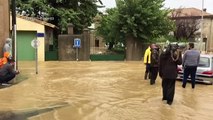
(77, 45)
(35, 43)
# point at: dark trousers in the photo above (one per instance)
(168, 86)
(154, 74)
(147, 72)
(7, 78)
(189, 70)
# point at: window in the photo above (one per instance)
(96, 43)
(212, 63)
(204, 62)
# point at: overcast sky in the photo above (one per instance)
(208, 4)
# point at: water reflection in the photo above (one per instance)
(102, 91)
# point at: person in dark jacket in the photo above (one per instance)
(168, 72)
(154, 63)
(7, 72)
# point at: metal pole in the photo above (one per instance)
(76, 53)
(36, 56)
(15, 49)
(201, 29)
(35, 44)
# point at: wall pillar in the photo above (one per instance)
(70, 29)
(86, 43)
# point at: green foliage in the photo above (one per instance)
(169, 38)
(108, 27)
(118, 49)
(142, 19)
(164, 38)
(61, 12)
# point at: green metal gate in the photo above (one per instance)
(25, 51)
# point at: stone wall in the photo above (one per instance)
(66, 51)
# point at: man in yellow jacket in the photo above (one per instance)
(147, 62)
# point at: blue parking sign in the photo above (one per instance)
(77, 43)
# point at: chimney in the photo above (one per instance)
(70, 29)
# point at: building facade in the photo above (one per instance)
(205, 25)
(208, 32)
(28, 29)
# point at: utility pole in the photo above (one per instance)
(14, 42)
(201, 29)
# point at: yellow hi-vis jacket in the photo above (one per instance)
(147, 56)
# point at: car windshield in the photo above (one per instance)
(204, 62)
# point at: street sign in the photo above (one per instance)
(77, 43)
(35, 43)
(40, 34)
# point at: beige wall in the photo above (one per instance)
(211, 36)
(26, 25)
(208, 32)
(4, 22)
(97, 50)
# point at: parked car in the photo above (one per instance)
(204, 72)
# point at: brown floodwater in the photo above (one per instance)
(98, 91)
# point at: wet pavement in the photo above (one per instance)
(98, 91)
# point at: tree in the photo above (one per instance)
(186, 27)
(139, 21)
(61, 12)
(108, 27)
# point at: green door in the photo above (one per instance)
(25, 51)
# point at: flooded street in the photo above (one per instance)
(99, 91)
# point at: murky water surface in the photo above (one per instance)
(99, 91)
